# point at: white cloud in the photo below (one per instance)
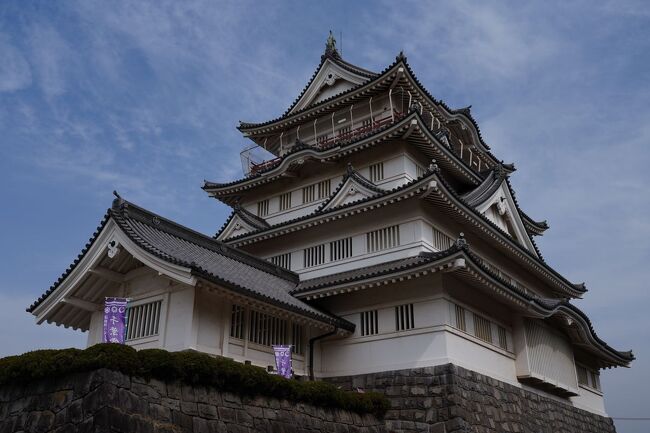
(15, 73)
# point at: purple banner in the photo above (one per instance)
(115, 320)
(283, 361)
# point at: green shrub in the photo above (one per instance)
(189, 367)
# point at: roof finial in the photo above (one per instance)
(400, 57)
(330, 46)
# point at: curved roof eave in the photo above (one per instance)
(301, 151)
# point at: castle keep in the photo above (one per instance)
(376, 233)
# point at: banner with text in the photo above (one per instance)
(115, 320)
(283, 360)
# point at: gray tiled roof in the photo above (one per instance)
(210, 259)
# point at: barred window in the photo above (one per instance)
(366, 123)
(382, 239)
(343, 131)
(376, 172)
(309, 193)
(404, 318)
(340, 249)
(482, 328)
(503, 338)
(297, 337)
(282, 260)
(419, 171)
(314, 256)
(322, 139)
(263, 208)
(324, 188)
(369, 323)
(143, 320)
(266, 330)
(460, 318)
(595, 380)
(583, 378)
(285, 201)
(440, 240)
(237, 322)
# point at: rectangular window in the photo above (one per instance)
(322, 139)
(297, 335)
(419, 171)
(143, 320)
(404, 318)
(595, 380)
(341, 249)
(237, 322)
(324, 189)
(583, 379)
(440, 240)
(503, 338)
(282, 260)
(382, 239)
(314, 256)
(285, 201)
(482, 328)
(266, 330)
(366, 123)
(263, 208)
(460, 318)
(369, 323)
(309, 194)
(376, 172)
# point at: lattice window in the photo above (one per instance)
(583, 378)
(404, 317)
(369, 323)
(314, 256)
(376, 172)
(324, 188)
(309, 194)
(340, 249)
(283, 260)
(285, 201)
(482, 328)
(266, 330)
(460, 318)
(440, 240)
(143, 320)
(263, 208)
(297, 338)
(382, 239)
(503, 338)
(237, 321)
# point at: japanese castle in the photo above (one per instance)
(379, 233)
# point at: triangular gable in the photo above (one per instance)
(235, 227)
(500, 208)
(353, 187)
(331, 79)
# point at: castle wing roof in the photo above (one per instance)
(469, 265)
(206, 258)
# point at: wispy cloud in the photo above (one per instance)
(15, 73)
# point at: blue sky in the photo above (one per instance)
(144, 97)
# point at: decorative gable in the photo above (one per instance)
(236, 226)
(500, 208)
(353, 187)
(331, 79)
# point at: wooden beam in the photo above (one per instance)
(80, 303)
(137, 272)
(108, 274)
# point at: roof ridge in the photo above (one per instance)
(126, 209)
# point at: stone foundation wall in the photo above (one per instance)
(447, 398)
(107, 401)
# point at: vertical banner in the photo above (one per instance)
(283, 360)
(115, 320)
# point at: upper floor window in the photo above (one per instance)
(324, 188)
(376, 172)
(237, 321)
(314, 256)
(263, 208)
(285, 201)
(283, 260)
(440, 240)
(340, 249)
(404, 317)
(588, 377)
(382, 239)
(369, 323)
(309, 194)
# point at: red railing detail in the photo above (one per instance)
(330, 142)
